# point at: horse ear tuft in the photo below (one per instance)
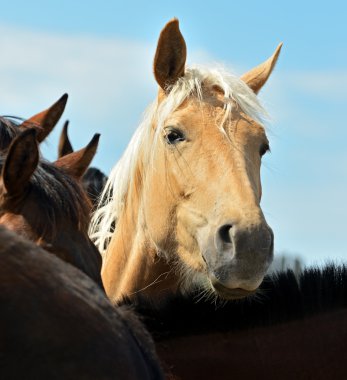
(20, 163)
(257, 77)
(64, 146)
(45, 121)
(170, 56)
(76, 163)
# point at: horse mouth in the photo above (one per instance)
(231, 294)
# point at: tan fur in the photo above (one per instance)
(257, 77)
(178, 203)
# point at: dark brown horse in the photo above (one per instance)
(55, 323)
(293, 329)
(43, 123)
(46, 203)
(93, 180)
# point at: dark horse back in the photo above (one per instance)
(55, 323)
(295, 328)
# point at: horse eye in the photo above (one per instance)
(174, 136)
(264, 148)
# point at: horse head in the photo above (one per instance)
(192, 195)
(45, 202)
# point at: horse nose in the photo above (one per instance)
(224, 240)
(253, 244)
(242, 257)
(231, 234)
(224, 233)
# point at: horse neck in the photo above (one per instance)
(75, 247)
(132, 264)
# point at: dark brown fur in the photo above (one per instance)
(93, 180)
(9, 129)
(55, 323)
(47, 205)
(295, 328)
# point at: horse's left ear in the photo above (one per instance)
(46, 120)
(21, 162)
(170, 56)
(257, 77)
(76, 163)
(64, 146)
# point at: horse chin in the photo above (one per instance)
(230, 294)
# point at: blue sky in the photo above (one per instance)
(101, 54)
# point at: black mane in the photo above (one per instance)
(282, 297)
(9, 129)
(60, 195)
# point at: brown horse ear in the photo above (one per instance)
(170, 57)
(64, 146)
(46, 120)
(257, 77)
(21, 162)
(77, 163)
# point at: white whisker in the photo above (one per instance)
(156, 281)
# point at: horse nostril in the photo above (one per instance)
(224, 233)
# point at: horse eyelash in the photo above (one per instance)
(169, 130)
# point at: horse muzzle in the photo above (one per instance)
(237, 259)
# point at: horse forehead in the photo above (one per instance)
(193, 112)
(209, 115)
(246, 128)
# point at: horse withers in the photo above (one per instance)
(185, 196)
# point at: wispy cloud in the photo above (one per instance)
(90, 66)
(107, 79)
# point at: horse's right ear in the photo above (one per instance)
(64, 146)
(46, 120)
(20, 163)
(170, 57)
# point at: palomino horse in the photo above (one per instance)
(298, 330)
(46, 203)
(42, 122)
(93, 180)
(55, 323)
(186, 194)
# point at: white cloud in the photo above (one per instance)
(109, 82)
(89, 65)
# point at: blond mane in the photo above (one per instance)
(122, 175)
